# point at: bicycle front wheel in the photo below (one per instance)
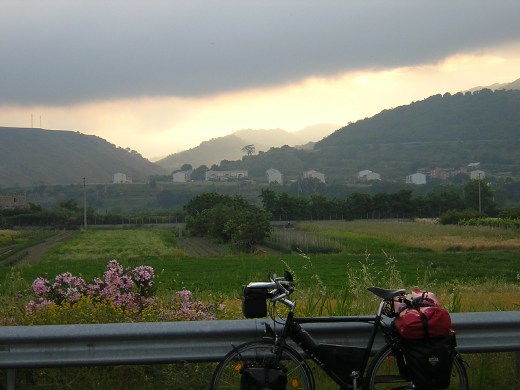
(384, 373)
(260, 354)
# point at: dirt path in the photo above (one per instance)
(197, 246)
(35, 252)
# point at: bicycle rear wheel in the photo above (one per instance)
(383, 373)
(260, 354)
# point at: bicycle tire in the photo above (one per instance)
(228, 373)
(383, 373)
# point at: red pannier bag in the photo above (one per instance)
(424, 323)
(424, 318)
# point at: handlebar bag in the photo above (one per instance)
(423, 323)
(429, 362)
(254, 302)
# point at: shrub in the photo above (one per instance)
(121, 295)
(130, 289)
(454, 217)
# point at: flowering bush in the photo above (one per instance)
(130, 289)
(181, 307)
(121, 295)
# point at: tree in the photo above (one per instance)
(70, 205)
(249, 149)
(248, 227)
(478, 196)
(227, 218)
(205, 201)
(186, 167)
(359, 205)
(199, 173)
(269, 200)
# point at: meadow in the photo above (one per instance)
(423, 253)
(471, 268)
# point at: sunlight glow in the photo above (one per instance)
(164, 125)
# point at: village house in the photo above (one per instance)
(225, 175)
(312, 174)
(13, 202)
(121, 178)
(367, 175)
(416, 178)
(274, 176)
(477, 174)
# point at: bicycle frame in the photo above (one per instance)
(324, 355)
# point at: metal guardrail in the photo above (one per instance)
(204, 341)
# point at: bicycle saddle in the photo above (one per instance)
(386, 294)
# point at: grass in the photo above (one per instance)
(415, 236)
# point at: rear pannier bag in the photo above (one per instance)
(422, 317)
(423, 323)
(254, 302)
(428, 363)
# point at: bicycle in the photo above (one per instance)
(272, 363)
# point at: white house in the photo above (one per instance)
(477, 174)
(120, 178)
(416, 178)
(225, 175)
(181, 176)
(367, 175)
(312, 174)
(274, 176)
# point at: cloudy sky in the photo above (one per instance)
(163, 76)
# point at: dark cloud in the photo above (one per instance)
(62, 52)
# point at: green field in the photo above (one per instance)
(471, 269)
(424, 254)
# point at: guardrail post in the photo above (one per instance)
(11, 379)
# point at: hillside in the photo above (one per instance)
(31, 156)
(230, 147)
(446, 131)
(441, 131)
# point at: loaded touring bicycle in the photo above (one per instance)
(418, 353)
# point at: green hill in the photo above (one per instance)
(34, 156)
(444, 131)
(440, 131)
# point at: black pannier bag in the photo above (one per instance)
(254, 302)
(429, 362)
(259, 378)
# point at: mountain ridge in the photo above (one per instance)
(33, 156)
(229, 147)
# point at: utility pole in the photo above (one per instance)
(479, 196)
(84, 204)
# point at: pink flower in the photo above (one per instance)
(41, 287)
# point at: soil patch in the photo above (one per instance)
(35, 252)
